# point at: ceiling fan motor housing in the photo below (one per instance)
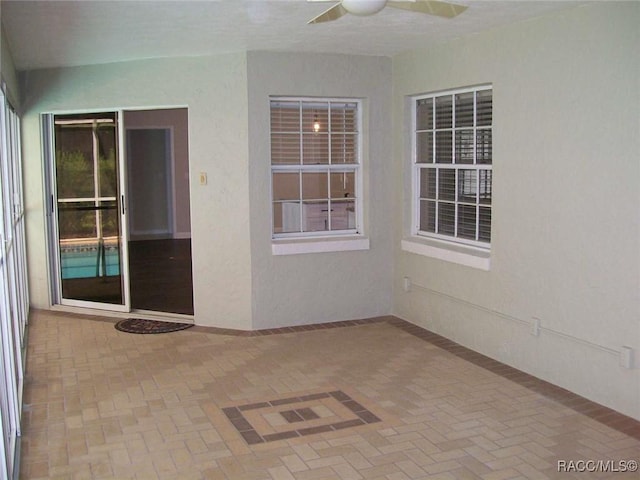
(363, 7)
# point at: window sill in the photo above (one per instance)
(319, 245)
(460, 254)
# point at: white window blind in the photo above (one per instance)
(452, 145)
(315, 167)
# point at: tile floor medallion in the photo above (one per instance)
(298, 416)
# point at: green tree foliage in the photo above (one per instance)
(75, 179)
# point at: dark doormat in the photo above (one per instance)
(140, 325)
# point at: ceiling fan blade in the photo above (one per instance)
(431, 7)
(333, 13)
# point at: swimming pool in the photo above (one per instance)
(83, 263)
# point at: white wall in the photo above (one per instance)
(566, 223)
(321, 287)
(215, 91)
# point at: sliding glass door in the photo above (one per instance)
(87, 214)
(118, 210)
(14, 301)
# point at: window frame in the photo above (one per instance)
(356, 168)
(446, 240)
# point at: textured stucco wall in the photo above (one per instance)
(321, 287)
(214, 91)
(566, 229)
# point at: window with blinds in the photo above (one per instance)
(315, 167)
(452, 165)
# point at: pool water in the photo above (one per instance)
(83, 264)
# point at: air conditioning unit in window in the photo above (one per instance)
(315, 217)
(290, 217)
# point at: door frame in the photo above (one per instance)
(51, 221)
(51, 212)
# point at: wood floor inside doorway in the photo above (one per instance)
(161, 275)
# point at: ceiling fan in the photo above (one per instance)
(369, 7)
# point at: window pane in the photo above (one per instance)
(285, 116)
(484, 107)
(467, 186)
(427, 216)
(315, 148)
(344, 117)
(464, 146)
(447, 184)
(464, 109)
(108, 216)
(314, 186)
(277, 217)
(286, 217)
(424, 114)
(484, 149)
(344, 148)
(343, 215)
(444, 111)
(484, 234)
(453, 157)
(285, 149)
(315, 216)
(424, 147)
(446, 218)
(343, 185)
(77, 220)
(107, 161)
(428, 183)
(485, 186)
(317, 141)
(286, 186)
(467, 221)
(315, 117)
(444, 147)
(74, 162)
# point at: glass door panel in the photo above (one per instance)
(88, 207)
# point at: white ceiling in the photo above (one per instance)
(45, 34)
